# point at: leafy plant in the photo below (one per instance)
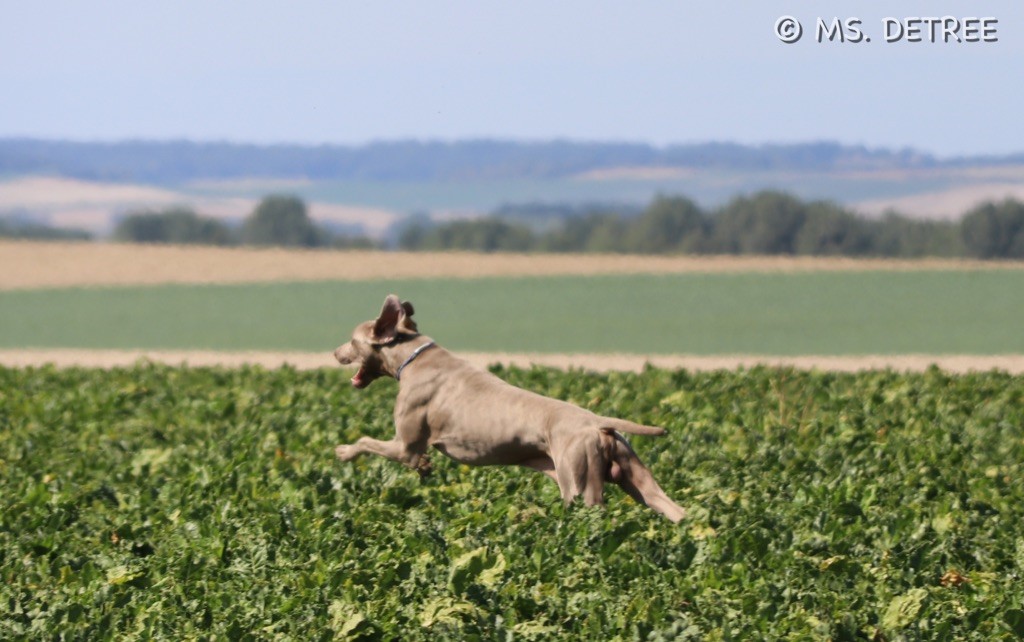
(158, 502)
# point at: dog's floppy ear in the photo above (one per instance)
(385, 328)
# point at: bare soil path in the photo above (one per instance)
(596, 362)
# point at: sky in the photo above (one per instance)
(655, 71)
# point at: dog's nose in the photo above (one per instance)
(339, 356)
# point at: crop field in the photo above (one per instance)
(32, 265)
(826, 313)
(159, 502)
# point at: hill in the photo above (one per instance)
(176, 162)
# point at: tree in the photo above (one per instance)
(22, 229)
(481, 235)
(281, 220)
(607, 235)
(413, 236)
(896, 235)
(667, 225)
(995, 230)
(594, 232)
(766, 223)
(175, 225)
(831, 231)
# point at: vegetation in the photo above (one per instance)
(279, 220)
(15, 228)
(767, 223)
(175, 225)
(158, 502)
(832, 313)
(995, 230)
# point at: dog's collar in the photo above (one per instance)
(412, 357)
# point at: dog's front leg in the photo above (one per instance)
(395, 450)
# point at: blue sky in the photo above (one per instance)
(655, 71)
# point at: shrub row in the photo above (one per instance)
(766, 223)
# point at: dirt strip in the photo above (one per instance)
(598, 362)
(26, 264)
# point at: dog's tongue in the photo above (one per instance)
(357, 380)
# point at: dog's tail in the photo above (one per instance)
(622, 425)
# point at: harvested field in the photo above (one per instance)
(947, 205)
(27, 265)
(1013, 364)
(94, 206)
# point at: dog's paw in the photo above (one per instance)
(424, 467)
(345, 453)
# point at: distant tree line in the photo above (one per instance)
(281, 220)
(766, 223)
(15, 228)
(175, 162)
(769, 223)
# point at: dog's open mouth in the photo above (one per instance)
(359, 379)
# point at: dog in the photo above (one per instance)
(475, 418)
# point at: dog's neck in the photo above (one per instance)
(398, 357)
(412, 357)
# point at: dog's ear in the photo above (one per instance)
(406, 324)
(385, 328)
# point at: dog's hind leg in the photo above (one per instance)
(597, 464)
(571, 471)
(567, 482)
(579, 470)
(636, 479)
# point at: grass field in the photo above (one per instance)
(161, 503)
(834, 313)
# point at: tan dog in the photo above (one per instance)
(476, 418)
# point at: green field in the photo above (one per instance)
(166, 503)
(934, 312)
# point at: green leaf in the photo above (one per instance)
(678, 399)
(151, 458)
(904, 609)
(1014, 618)
(346, 620)
(445, 610)
(533, 630)
(490, 576)
(122, 575)
(476, 566)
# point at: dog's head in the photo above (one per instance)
(370, 341)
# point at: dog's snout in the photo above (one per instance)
(340, 355)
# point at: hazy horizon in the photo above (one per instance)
(500, 140)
